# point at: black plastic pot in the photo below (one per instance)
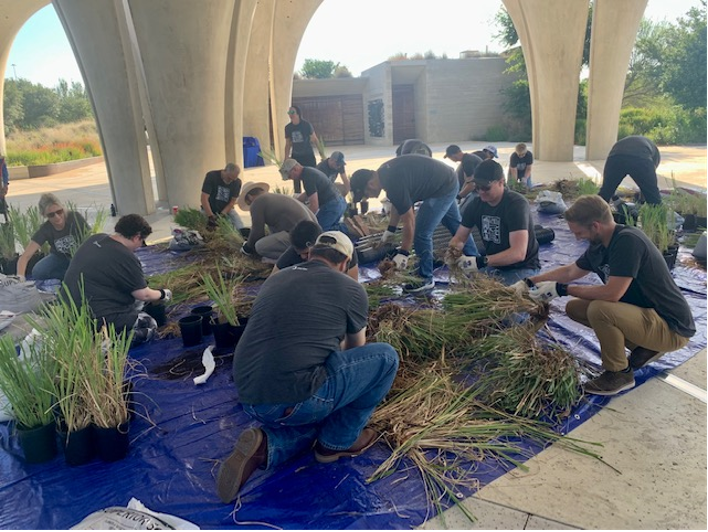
(9, 266)
(226, 335)
(670, 256)
(38, 444)
(191, 329)
(34, 259)
(79, 446)
(690, 224)
(157, 311)
(207, 313)
(112, 443)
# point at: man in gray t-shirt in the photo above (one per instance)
(303, 370)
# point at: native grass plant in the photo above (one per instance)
(571, 189)
(653, 221)
(321, 148)
(27, 382)
(437, 421)
(221, 291)
(284, 190)
(269, 155)
(190, 218)
(99, 222)
(685, 202)
(26, 223)
(7, 241)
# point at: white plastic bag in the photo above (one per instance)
(18, 296)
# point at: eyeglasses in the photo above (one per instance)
(55, 213)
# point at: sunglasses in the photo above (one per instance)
(483, 188)
(292, 112)
(55, 213)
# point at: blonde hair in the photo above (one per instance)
(589, 209)
(520, 148)
(47, 200)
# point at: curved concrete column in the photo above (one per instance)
(614, 30)
(256, 108)
(97, 31)
(552, 33)
(289, 24)
(235, 78)
(183, 46)
(14, 15)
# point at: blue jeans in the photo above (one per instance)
(330, 213)
(432, 212)
(509, 277)
(357, 380)
(50, 267)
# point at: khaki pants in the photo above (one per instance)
(620, 325)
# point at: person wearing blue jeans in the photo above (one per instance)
(409, 179)
(506, 226)
(313, 378)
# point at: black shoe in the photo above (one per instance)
(250, 453)
(610, 383)
(641, 356)
(419, 286)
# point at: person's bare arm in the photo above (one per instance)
(288, 148)
(147, 294)
(518, 244)
(32, 248)
(205, 204)
(354, 340)
(314, 203)
(408, 229)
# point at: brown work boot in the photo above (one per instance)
(365, 440)
(610, 383)
(641, 356)
(250, 453)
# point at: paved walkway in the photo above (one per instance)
(654, 475)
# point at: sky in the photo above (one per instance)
(357, 34)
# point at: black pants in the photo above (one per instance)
(641, 170)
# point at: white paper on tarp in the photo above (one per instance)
(209, 365)
(136, 516)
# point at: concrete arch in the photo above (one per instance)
(552, 33)
(614, 30)
(14, 16)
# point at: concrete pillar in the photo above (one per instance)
(552, 33)
(289, 24)
(183, 47)
(97, 33)
(256, 107)
(14, 16)
(235, 77)
(614, 30)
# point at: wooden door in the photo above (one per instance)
(403, 110)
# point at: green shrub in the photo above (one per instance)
(496, 134)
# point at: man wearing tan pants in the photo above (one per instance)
(638, 306)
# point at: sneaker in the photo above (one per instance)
(250, 453)
(365, 440)
(610, 383)
(641, 356)
(419, 286)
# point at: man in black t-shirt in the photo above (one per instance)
(220, 191)
(302, 238)
(468, 163)
(503, 218)
(320, 194)
(637, 157)
(520, 164)
(638, 306)
(300, 137)
(114, 286)
(408, 179)
(333, 167)
(311, 377)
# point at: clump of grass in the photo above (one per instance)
(26, 223)
(191, 218)
(653, 221)
(221, 292)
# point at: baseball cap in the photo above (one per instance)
(338, 157)
(336, 240)
(286, 167)
(452, 149)
(358, 182)
(488, 171)
(492, 149)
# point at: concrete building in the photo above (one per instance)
(437, 100)
(199, 76)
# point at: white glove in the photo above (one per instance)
(401, 261)
(168, 295)
(467, 264)
(387, 236)
(520, 287)
(544, 291)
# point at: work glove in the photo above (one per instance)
(166, 295)
(388, 235)
(468, 264)
(521, 287)
(247, 250)
(547, 291)
(401, 259)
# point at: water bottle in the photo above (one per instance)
(113, 210)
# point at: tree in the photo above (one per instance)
(73, 104)
(318, 69)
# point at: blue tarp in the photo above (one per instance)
(182, 431)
